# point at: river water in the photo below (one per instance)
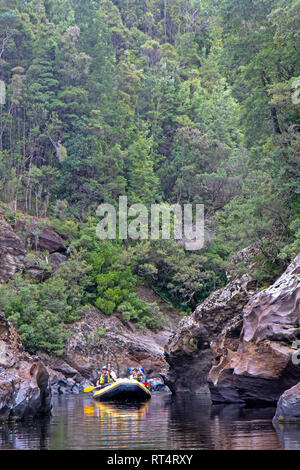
(165, 422)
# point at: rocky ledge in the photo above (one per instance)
(24, 380)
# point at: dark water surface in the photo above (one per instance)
(163, 423)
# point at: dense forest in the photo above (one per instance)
(164, 101)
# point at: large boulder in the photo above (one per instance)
(257, 365)
(288, 406)
(46, 239)
(24, 380)
(38, 237)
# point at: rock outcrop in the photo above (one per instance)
(189, 357)
(12, 252)
(189, 352)
(288, 406)
(46, 239)
(24, 380)
(15, 246)
(240, 341)
(258, 367)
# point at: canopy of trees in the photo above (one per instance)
(174, 101)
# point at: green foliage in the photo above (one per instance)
(37, 312)
(181, 101)
(145, 315)
(184, 278)
(113, 287)
(40, 311)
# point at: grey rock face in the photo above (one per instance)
(12, 252)
(24, 380)
(190, 352)
(258, 367)
(240, 341)
(288, 406)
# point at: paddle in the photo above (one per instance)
(88, 389)
(91, 388)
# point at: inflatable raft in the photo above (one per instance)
(123, 390)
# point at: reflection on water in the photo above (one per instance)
(32, 435)
(164, 422)
(289, 435)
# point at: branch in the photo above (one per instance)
(4, 42)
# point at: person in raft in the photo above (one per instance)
(111, 372)
(136, 374)
(142, 374)
(132, 373)
(105, 378)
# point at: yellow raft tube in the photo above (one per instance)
(123, 390)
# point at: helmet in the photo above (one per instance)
(104, 367)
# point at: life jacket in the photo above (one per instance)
(104, 379)
(137, 377)
(141, 378)
(134, 377)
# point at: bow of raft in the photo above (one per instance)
(123, 390)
